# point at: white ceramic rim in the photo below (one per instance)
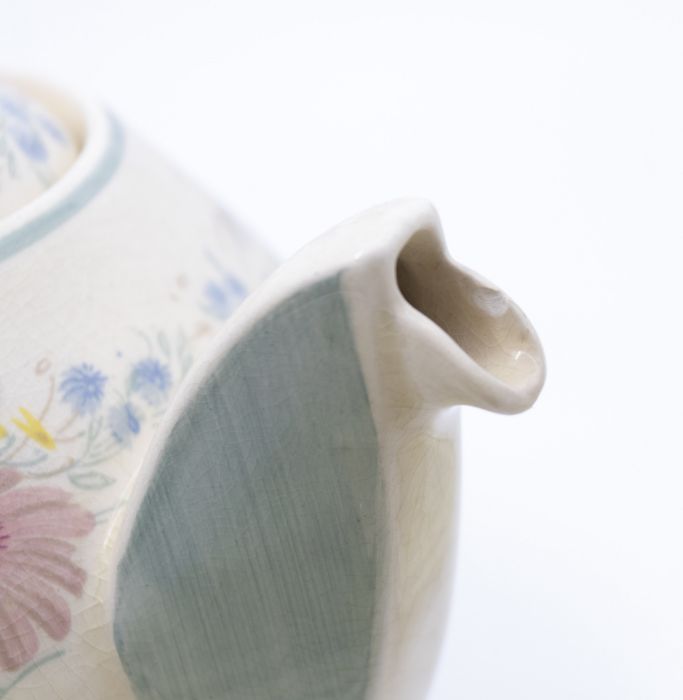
(100, 141)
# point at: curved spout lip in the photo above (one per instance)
(464, 340)
(475, 384)
(497, 363)
(414, 357)
(509, 397)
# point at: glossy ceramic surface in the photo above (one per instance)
(313, 558)
(114, 280)
(36, 148)
(268, 514)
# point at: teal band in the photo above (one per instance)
(252, 569)
(48, 221)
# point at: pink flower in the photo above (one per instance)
(35, 565)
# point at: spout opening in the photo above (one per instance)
(479, 318)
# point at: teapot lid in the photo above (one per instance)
(56, 153)
(37, 147)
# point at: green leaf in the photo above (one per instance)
(162, 339)
(90, 481)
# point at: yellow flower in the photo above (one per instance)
(3, 432)
(35, 430)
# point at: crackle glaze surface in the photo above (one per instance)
(310, 464)
(269, 514)
(110, 292)
(287, 531)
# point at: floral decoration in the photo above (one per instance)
(28, 131)
(82, 388)
(123, 423)
(151, 379)
(223, 293)
(87, 417)
(37, 574)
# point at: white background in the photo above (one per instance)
(550, 137)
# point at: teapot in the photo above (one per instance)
(222, 478)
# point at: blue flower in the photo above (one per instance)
(29, 142)
(83, 387)
(151, 379)
(123, 423)
(52, 129)
(13, 108)
(222, 298)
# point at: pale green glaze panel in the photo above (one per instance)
(251, 573)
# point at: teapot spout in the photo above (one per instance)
(432, 332)
(290, 534)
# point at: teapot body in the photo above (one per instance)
(223, 481)
(112, 282)
(292, 528)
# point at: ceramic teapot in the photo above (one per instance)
(218, 482)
